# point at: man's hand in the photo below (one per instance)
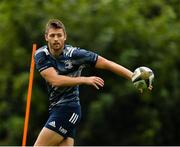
(94, 81)
(150, 88)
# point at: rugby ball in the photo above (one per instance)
(142, 77)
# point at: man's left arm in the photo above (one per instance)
(103, 63)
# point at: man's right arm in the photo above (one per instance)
(47, 71)
(52, 77)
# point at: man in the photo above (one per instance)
(61, 65)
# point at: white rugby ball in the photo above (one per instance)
(142, 77)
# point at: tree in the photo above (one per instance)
(132, 33)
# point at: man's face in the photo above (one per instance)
(56, 40)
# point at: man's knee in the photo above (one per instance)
(67, 142)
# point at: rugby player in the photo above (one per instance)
(60, 65)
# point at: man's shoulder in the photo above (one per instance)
(69, 49)
(42, 49)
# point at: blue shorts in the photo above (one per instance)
(64, 118)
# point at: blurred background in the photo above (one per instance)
(132, 33)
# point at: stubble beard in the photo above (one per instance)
(56, 48)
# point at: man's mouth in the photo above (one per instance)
(56, 43)
(56, 46)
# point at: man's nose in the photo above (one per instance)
(55, 37)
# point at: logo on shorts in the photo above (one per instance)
(73, 118)
(62, 130)
(53, 124)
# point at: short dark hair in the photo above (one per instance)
(56, 24)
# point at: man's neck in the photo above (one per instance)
(54, 53)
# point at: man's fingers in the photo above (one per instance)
(95, 86)
(141, 90)
(150, 87)
(95, 81)
(99, 82)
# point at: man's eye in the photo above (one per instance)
(52, 35)
(59, 35)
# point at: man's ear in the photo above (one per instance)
(46, 37)
(65, 37)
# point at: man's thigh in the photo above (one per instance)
(48, 137)
(61, 124)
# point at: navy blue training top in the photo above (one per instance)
(70, 63)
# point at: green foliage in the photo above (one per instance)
(130, 32)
